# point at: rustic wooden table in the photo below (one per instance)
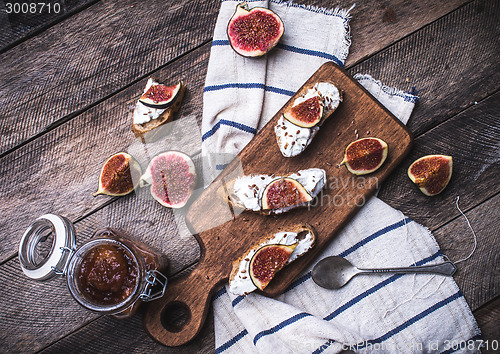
(68, 80)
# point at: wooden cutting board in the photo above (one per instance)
(179, 315)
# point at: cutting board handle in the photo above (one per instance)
(179, 315)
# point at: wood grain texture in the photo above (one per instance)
(16, 27)
(109, 335)
(228, 238)
(452, 63)
(472, 138)
(454, 98)
(93, 54)
(479, 276)
(488, 319)
(22, 160)
(59, 171)
(386, 22)
(100, 335)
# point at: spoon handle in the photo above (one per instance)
(446, 268)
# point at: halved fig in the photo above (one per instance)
(254, 32)
(306, 114)
(172, 177)
(161, 96)
(365, 155)
(431, 173)
(267, 261)
(118, 175)
(284, 192)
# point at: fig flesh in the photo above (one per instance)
(254, 32)
(306, 114)
(161, 96)
(118, 175)
(431, 173)
(284, 192)
(172, 177)
(365, 155)
(267, 261)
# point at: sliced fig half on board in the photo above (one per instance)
(267, 261)
(161, 96)
(365, 155)
(172, 177)
(431, 173)
(284, 192)
(254, 32)
(118, 175)
(306, 114)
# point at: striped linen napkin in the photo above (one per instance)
(381, 313)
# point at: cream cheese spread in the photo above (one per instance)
(292, 139)
(242, 284)
(249, 189)
(142, 113)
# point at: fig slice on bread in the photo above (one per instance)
(303, 117)
(269, 194)
(256, 268)
(156, 107)
(161, 96)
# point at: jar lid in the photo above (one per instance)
(47, 246)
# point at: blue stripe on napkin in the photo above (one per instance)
(351, 302)
(237, 125)
(230, 342)
(335, 313)
(281, 325)
(290, 48)
(249, 85)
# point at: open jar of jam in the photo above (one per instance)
(109, 274)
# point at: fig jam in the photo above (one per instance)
(107, 275)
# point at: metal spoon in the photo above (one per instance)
(334, 272)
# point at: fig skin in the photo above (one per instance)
(358, 158)
(118, 175)
(300, 197)
(170, 176)
(431, 173)
(267, 261)
(260, 48)
(311, 105)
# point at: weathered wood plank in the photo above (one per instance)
(452, 63)
(471, 278)
(488, 319)
(59, 171)
(477, 277)
(435, 103)
(101, 335)
(110, 335)
(18, 24)
(386, 22)
(63, 146)
(472, 138)
(20, 288)
(92, 55)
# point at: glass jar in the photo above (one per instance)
(109, 274)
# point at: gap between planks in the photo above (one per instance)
(72, 115)
(47, 25)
